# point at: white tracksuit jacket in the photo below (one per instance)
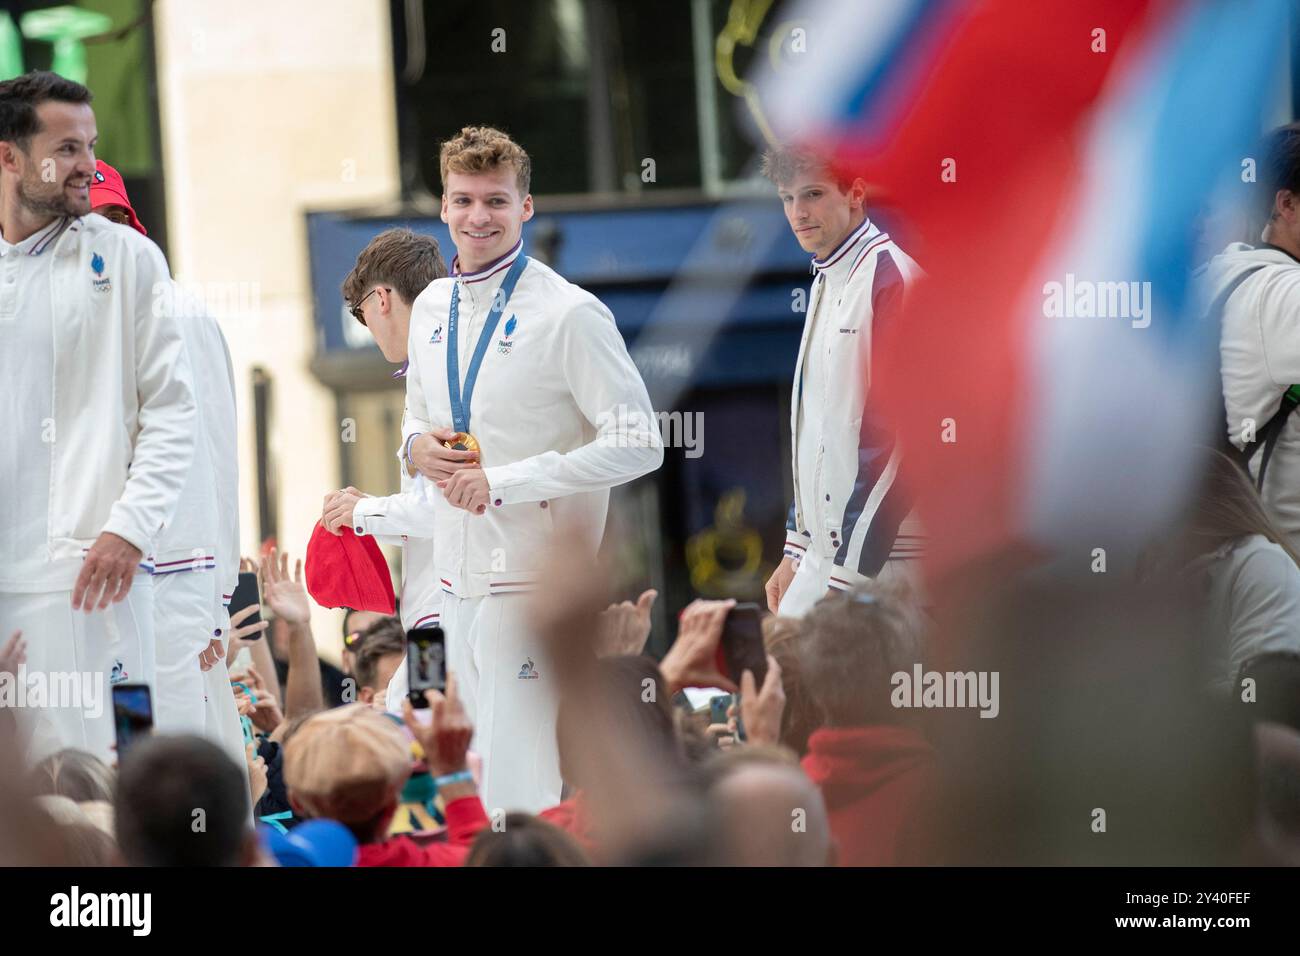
(848, 507)
(204, 535)
(124, 406)
(559, 409)
(1259, 350)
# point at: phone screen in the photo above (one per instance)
(246, 593)
(741, 647)
(132, 714)
(426, 662)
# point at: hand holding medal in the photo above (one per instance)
(451, 460)
(461, 441)
(436, 456)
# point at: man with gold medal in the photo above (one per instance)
(523, 408)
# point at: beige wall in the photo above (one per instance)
(268, 110)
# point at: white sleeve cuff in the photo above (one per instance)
(796, 544)
(364, 510)
(845, 579)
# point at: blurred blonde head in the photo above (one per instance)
(100, 813)
(1229, 507)
(75, 774)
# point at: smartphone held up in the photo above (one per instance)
(741, 646)
(426, 663)
(132, 715)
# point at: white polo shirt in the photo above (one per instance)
(97, 391)
(27, 410)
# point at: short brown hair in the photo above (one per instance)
(526, 840)
(781, 164)
(401, 258)
(1279, 168)
(482, 149)
(377, 641)
(853, 643)
(21, 96)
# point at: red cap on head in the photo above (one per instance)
(107, 189)
(348, 571)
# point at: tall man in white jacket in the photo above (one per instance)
(850, 519)
(534, 371)
(197, 565)
(196, 559)
(393, 269)
(98, 404)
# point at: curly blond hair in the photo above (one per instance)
(483, 149)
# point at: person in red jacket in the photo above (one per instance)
(875, 770)
(350, 764)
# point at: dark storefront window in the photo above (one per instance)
(593, 88)
(108, 46)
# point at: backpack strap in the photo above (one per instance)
(1272, 431)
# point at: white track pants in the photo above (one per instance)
(812, 581)
(183, 626)
(508, 691)
(74, 656)
(190, 700)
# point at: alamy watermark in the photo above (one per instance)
(130, 910)
(193, 300)
(921, 688)
(83, 690)
(626, 427)
(1085, 299)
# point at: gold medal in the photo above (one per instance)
(462, 441)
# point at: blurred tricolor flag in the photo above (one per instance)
(1053, 158)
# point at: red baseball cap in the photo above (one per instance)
(107, 189)
(345, 570)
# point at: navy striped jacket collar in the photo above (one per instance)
(842, 257)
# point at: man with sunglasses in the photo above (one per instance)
(395, 267)
(355, 624)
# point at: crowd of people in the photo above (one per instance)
(555, 740)
(816, 766)
(824, 771)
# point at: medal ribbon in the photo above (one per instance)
(459, 404)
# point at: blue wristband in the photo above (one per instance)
(406, 449)
(460, 776)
